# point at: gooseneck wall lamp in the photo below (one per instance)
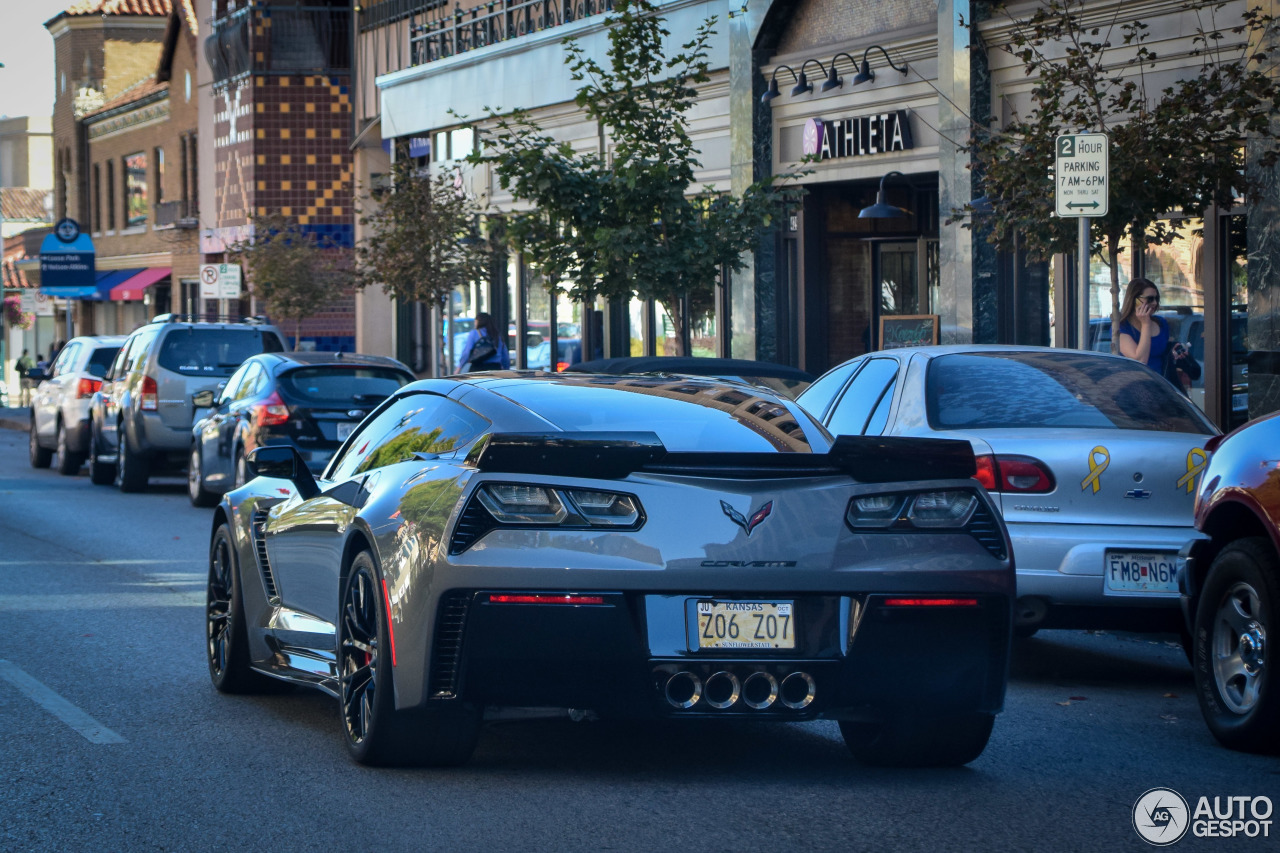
(833, 81)
(882, 209)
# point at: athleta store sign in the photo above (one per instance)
(857, 137)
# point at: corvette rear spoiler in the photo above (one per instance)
(614, 455)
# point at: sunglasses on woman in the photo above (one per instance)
(1155, 299)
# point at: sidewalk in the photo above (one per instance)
(15, 418)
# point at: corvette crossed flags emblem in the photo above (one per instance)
(747, 524)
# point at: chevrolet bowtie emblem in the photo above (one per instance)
(747, 524)
(1137, 493)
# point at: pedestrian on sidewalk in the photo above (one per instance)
(1144, 336)
(22, 365)
(483, 349)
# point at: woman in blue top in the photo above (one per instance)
(1144, 336)
(490, 355)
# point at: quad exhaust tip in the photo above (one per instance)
(683, 690)
(723, 689)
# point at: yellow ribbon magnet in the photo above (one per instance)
(1096, 468)
(1196, 460)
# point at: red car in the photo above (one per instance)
(1230, 585)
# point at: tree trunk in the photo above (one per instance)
(1113, 245)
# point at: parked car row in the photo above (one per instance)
(457, 514)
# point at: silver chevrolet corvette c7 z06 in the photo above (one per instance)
(662, 547)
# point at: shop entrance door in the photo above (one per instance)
(897, 271)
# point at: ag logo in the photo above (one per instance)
(1160, 816)
(747, 524)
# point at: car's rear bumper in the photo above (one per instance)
(630, 656)
(1065, 564)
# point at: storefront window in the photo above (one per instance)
(137, 201)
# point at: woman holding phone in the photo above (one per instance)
(1144, 336)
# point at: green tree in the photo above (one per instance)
(1177, 148)
(624, 222)
(421, 244)
(293, 274)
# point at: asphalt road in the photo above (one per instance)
(114, 739)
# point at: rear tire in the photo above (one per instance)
(910, 741)
(226, 637)
(131, 469)
(374, 731)
(1238, 692)
(69, 462)
(40, 457)
(196, 492)
(100, 473)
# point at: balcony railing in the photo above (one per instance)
(495, 22)
(380, 13)
(176, 214)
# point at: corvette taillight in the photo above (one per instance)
(271, 411)
(1020, 474)
(929, 511)
(518, 503)
(544, 598)
(930, 602)
(87, 387)
(150, 394)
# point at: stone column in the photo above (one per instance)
(750, 145)
(1263, 239)
(955, 250)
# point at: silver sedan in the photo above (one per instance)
(1092, 458)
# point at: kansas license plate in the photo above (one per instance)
(746, 625)
(1146, 572)
(345, 430)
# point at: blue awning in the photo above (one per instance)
(101, 290)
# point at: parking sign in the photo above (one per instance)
(1081, 175)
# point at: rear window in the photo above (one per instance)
(342, 384)
(1067, 389)
(688, 416)
(213, 352)
(101, 360)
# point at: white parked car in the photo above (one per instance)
(60, 402)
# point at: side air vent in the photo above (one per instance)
(446, 651)
(260, 548)
(984, 528)
(474, 523)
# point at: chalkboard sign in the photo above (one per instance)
(908, 330)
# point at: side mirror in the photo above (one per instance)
(283, 463)
(202, 399)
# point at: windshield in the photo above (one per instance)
(213, 352)
(1021, 390)
(337, 384)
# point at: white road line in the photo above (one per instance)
(92, 730)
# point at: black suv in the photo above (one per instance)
(309, 400)
(140, 420)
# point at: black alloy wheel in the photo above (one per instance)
(916, 741)
(40, 457)
(100, 473)
(227, 640)
(375, 732)
(196, 492)
(1233, 665)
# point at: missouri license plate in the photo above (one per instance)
(1145, 572)
(746, 625)
(345, 430)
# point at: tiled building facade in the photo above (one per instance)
(275, 80)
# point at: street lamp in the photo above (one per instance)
(882, 209)
(866, 75)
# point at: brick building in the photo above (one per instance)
(141, 165)
(275, 101)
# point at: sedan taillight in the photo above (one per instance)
(87, 387)
(271, 411)
(150, 394)
(1019, 474)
